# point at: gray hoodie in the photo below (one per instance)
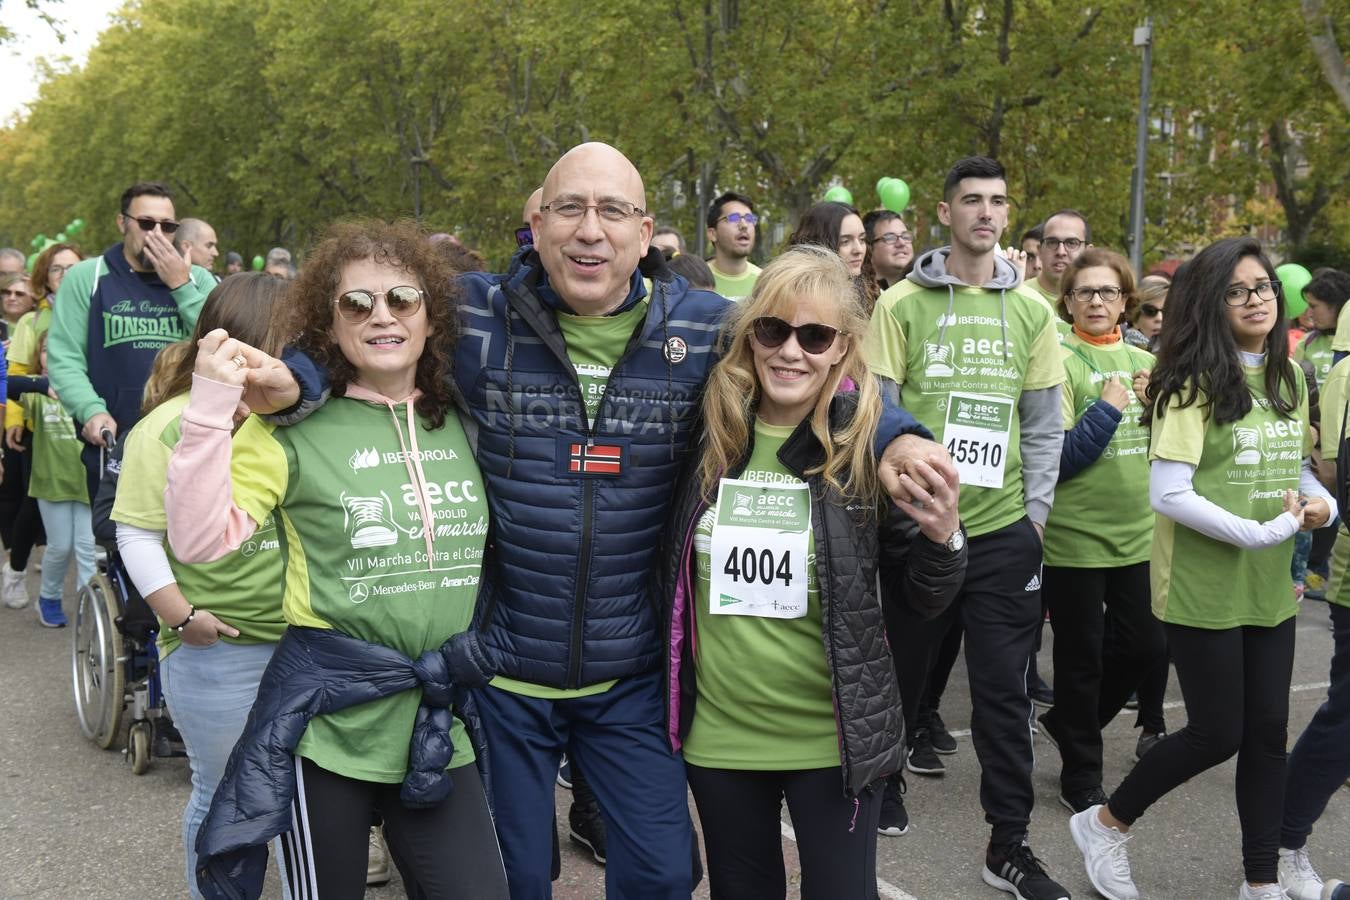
(1041, 421)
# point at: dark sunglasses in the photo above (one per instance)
(148, 224)
(524, 236)
(813, 338)
(356, 306)
(1149, 309)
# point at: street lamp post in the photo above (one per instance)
(1143, 37)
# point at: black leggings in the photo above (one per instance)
(742, 831)
(23, 522)
(1236, 686)
(449, 850)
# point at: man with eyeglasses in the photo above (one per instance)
(114, 312)
(731, 231)
(1063, 237)
(892, 246)
(585, 390)
(978, 361)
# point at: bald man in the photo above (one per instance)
(198, 238)
(584, 388)
(525, 232)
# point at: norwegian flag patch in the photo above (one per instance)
(598, 458)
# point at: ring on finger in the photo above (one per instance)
(239, 361)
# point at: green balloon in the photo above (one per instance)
(38, 241)
(839, 194)
(60, 238)
(257, 263)
(75, 227)
(32, 258)
(894, 194)
(1293, 279)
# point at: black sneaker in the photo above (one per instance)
(1014, 869)
(894, 819)
(939, 736)
(1146, 743)
(1040, 693)
(1077, 801)
(921, 759)
(1133, 702)
(1045, 730)
(587, 828)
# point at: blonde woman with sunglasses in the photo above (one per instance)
(782, 684)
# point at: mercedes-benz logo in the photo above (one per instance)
(359, 592)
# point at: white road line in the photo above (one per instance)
(884, 888)
(1177, 704)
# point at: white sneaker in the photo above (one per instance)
(13, 587)
(1297, 876)
(1104, 857)
(1265, 892)
(377, 859)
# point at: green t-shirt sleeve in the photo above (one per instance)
(67, 343)
(192, 295)
(1333, 409)
(1045, 366)
(258, 469)
(885, 346)
(1180, 434)
(140, 487)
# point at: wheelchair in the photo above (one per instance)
(114, 658)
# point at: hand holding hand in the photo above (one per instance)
(902, 457)
(1295, 507)
(1315, 513)
(933, 507)
(1114, 393)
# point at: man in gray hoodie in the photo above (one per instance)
(977, 360)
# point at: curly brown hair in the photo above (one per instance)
(43, 264)
(305, 316)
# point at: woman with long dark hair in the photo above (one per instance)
(838, 227)
(1232, 485)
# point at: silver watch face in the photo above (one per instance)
(956, 541)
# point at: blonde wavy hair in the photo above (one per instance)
(733, 392)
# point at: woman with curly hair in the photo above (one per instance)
(380, 508)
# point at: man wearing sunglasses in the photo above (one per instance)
(114, 312)
(979, 362)
(731, 231)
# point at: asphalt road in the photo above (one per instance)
(76, 823)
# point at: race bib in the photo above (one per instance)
(758, 550)
(976, 433)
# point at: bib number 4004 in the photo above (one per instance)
(974, 452)
(747, 565)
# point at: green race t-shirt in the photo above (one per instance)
(1245, 467)
(1051, 300)
(244, 587)
(987, 351)
(594, 345)
(1101, 517)
(58, 473)
(1335, 395)
(765, 699)
(357, 557)
(1315, 349)
(735, 287)
(23, 343)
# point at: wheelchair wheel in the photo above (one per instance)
(138, 747)
(97, 663)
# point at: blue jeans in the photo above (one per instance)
(619, 739)
(209, 691)
(1320, 762)
(68, 531)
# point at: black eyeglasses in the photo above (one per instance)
(1053, 244)
(1109, 294)
(356, 306)
(738, 218)
(1238, 295)
(813, 338)
(524, 236)
(891, 237)
(1149, 309)
(168, 226)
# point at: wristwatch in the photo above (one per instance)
(956, 541)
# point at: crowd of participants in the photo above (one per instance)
(646, 525)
